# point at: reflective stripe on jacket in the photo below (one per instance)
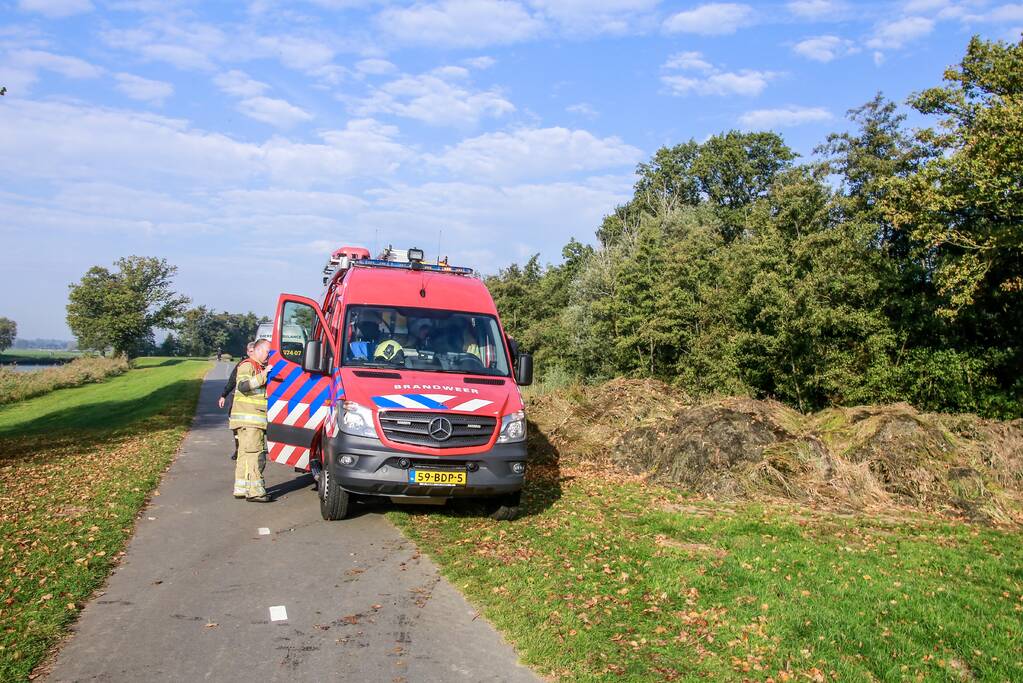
(249, 408)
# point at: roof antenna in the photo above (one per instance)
(440, 233)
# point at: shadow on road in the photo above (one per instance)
(300, 482)
(541, 491)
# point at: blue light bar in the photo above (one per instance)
(406, 265)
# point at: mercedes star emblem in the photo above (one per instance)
(440, 428)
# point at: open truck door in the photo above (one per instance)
(300, 390)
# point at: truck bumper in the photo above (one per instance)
(376, 470)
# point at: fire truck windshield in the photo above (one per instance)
(431, 340)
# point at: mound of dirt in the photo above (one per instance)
(844, 458)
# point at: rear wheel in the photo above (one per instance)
(334, 501)
(505, 508)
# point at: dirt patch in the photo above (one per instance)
(848, 459)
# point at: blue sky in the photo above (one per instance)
(243, 140)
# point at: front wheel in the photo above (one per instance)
(505, 508)
(334, 501)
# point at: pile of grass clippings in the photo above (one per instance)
(859, 458)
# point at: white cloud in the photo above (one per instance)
(56, 9)
(824, 48)
(64, 143)
(711, 79)
(69, 67)
(745, 82)
(533, 216)
(273, 111)
(22, 66)
(583, 109)
(239, 84)
(300, 53)
(535, 153)
(187, 46)
(585, 17)
(255, 104)
(1001, 14)
(144, 89)
(280, 202)
(480, 63)
(459, 23)
(890, 35)
(688, 61)
(815, 9)
(375, 67)
(439, 97)
(712, 19)
(914, 6)
(786, 117)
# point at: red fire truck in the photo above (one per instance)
(400, 383)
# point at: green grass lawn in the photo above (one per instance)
(75, 467)
(621, 581)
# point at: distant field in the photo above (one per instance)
(36, 356)
(75, 467)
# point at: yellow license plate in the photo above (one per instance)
(437, 477)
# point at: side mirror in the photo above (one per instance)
(314, 360)
(524, 370)
(513, 346)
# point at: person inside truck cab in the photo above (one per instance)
(467, 339)
(365, 336)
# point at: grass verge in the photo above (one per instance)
(18, 386)
(76, 465)
(617, 580)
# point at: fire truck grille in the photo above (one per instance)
(419, 428)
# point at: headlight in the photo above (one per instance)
(356, 419)
(513, 427)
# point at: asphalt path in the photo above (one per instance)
(212, 588)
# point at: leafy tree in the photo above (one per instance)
(965, 205)
(887, 270)
(204, 332)
(171, 346)
(119, 309)
(736, 169)
(8, 333)
(967, 202)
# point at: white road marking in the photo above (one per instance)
(278, 613)
(263, 531)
